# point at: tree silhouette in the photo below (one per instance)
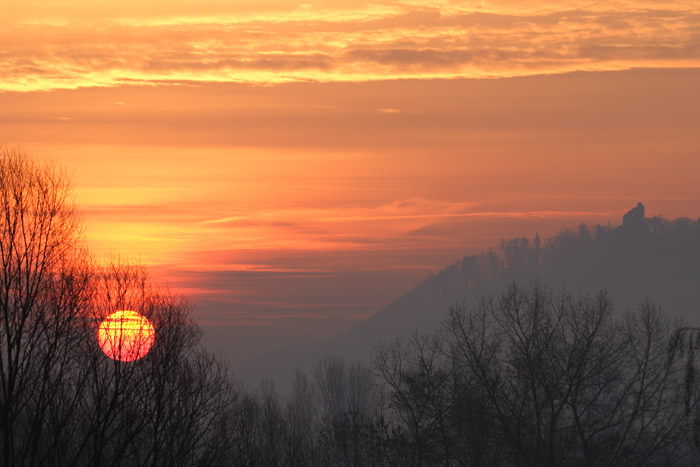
(684, 345)
(566, 382)
(527, 377)
(43, 289)
(62, 400)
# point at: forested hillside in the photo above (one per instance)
(532, 375)
(644, 258)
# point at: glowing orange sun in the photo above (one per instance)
(126, 336)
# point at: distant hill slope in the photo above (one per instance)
(643, 258)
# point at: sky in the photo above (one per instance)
(294, 167)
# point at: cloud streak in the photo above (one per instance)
(361, 42)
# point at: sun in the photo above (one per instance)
(126, 336)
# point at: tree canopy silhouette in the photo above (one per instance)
(62, 400)
(522, 377)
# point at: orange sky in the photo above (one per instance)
(77, 43)
(295, 167)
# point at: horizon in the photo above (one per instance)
(385, 233)
(295, 168)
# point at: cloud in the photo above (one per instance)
(347, 42)
(254, 187)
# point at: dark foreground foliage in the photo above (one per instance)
(62, 401)
(526, 378)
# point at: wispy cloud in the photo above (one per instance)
(348, 42)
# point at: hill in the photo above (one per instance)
(652, 258)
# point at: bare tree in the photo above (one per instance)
(62, 400)
(301, 420)
(683, 347)
(568, 384)
(42, 292)
(165, 408)
(346, 409)
(421, 389)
